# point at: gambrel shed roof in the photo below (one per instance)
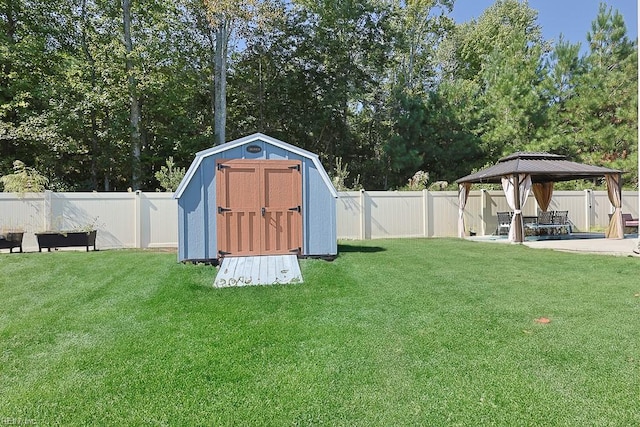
(248, 140)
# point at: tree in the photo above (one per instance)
(90, 102)
(314, 78)
(501, 56)
(563, 68)
(608, 95)
(169, 176)
(596, 107)
(389, 87)
(512, 103)
(346, 59)
(466, 46)
(453, 125)
(28, 67)
(410, 142)
(135, 109)
(225, 17)
(419, 33)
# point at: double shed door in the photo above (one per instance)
(259, 208)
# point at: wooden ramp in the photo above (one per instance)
(258, 270)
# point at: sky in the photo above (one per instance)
(572, 18)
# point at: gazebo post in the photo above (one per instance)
(517, 212)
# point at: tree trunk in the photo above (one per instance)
(220, 82)
(93, 135)
(211, 36)
(135, 111)
(7, 148)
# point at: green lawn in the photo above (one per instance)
(393, 332)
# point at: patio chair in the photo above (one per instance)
(504, 222)
(561, 221)
(545, 218)
(545, 222)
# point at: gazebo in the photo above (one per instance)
(521, 172)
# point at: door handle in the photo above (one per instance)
(263, 210)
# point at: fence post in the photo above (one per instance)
(426, 213)
(483, 205)
(137, 219)
(363, 216)
(47, 210)
(587, 210)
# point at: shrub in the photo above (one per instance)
(23, 180)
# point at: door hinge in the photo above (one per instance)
(222, 166)
(296, 167)
(221, 209)
(296, 208)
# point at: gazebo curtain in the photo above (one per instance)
(516, 189)
(615, 230)
(463, 194)
(543, 192)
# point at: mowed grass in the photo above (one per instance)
(393, 332)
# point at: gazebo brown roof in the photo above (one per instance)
(543, 167)
(520, 171)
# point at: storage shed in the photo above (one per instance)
(254, 196)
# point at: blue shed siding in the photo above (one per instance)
(197, 233)
(209, 173)
(320, 214)
(190, 214)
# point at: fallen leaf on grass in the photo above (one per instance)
(637, 295)
(543, 320)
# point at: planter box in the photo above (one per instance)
(10, 240)
(62, 239)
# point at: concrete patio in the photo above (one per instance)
(619, 247)
(594, 243)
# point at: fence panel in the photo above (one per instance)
(576, 203)
(394, 214)
(443, 213)
(473, 214)
(158, 220)
(112, 214)
(24, 213)
(349, 215)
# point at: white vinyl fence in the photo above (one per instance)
(387, 214)
(123, 220)
(150, 220)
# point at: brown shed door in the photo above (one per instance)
(259, 207)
